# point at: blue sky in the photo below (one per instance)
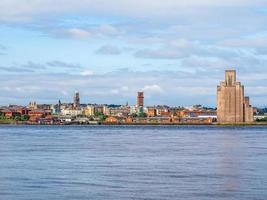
(176, 51)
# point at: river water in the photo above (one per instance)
(133, 162)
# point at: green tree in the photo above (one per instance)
(25, 117)
(97, 114)
(17, 118)
(102, 117)
(142, 115)
(134, 115)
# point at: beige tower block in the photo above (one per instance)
(231, 103)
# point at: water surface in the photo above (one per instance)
(133, 162)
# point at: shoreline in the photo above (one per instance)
(140, 124)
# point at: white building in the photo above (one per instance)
(71, 112)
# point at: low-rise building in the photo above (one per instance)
(163, 111)
(10, 113)
(22, 110)
(111, 119)
(122, 111)
(89, 111)
(99, 109)
(72, 112)
(133, 110)
(37, 113)
(151, 111)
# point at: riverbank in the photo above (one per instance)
(18, 123)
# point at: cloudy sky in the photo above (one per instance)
(174, 50)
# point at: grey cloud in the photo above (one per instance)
(33, 67)
(108, 50)
(160, 54)
(243, 63)
(13, 69)
(36, 66)
(258, 44)
(60, 64)
(181, 48)
(170, 49)
(73, 33)
(84, 32)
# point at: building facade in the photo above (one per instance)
(89, 111)
(76, 100)
(232, 105)
(140, 99)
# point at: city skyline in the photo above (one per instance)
(139, 100)
(233, 106)
(176, 52)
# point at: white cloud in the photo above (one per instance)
(258, 43)
(107, 29)
(125, 88)
(87, 73)
(114, 91)
(182, 48)
(77, 33)
(98, 31)
(152, 88)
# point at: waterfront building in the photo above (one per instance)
(232, 105)
(72, 112)
(106, 110)
(76, 100)
(151, 111)
(56, 109)
(20, 109)
(122, 111)
(89, 111)
(46, 107)
(163, 111)
(140, 99)
(37, 113)
(111, 119)
(133, 110)
(99, 109)
(10, 113)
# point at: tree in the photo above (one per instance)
(25, 117)
(102, 117)
(17, 118)
(2, 116)
(262, 120)
(142, 115)
(134, 115)
(97, 114)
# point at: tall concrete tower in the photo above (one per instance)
(140, 99)
(232, 106)
(76, 100)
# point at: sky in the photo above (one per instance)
(176, 51)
